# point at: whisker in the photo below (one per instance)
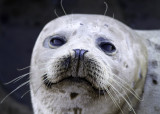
(20, 69)
(48, 84)
(113, 16)
(128, 89)
(116, 95)
(106, 8)
(17, 79)
(24, 68)
(14, 90)
(25, 93)
(63, 7)
(41, 84)
(55, 12)
(127, 97)
(124, 92)
(130, 106)
(110, 97)
(114, 101)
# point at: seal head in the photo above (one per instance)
(87, 64)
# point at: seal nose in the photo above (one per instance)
(79, 53)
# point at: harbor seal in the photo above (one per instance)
(87, 64)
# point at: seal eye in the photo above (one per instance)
(56, 41)
(108, 47)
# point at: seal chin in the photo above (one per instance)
(72, 80)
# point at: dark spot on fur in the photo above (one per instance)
(105, 25)
(115, 71)
(74, 33)
(81, 24)
(157, 47)
(157, 108)
(125, 65)
(154, 63)
(73, 95)
(154, 79)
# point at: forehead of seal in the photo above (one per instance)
(89, 28)
(90, 23)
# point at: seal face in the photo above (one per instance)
(87, 64)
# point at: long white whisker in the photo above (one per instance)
(40, 85)
(56, 13)
(116, 94)
(110, 97)
(109, 93)
(130, 89)
(130, 106)
(123, 91)
(20, 69)
(14, 91)
(24, 68)
(19, 77)
(127, 97)
(113, 16)
(25, 93)
(63, 7)
(106, 8)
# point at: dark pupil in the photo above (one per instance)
(57, 42)
(108, 47)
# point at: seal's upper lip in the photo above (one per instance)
(75, 79)
(70, 78)
(49, 84)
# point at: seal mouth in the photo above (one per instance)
(49, 84)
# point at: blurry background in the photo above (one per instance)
(22, 20)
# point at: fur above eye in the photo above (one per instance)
(108, 47)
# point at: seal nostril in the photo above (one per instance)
(82, 53)
(79, 53)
